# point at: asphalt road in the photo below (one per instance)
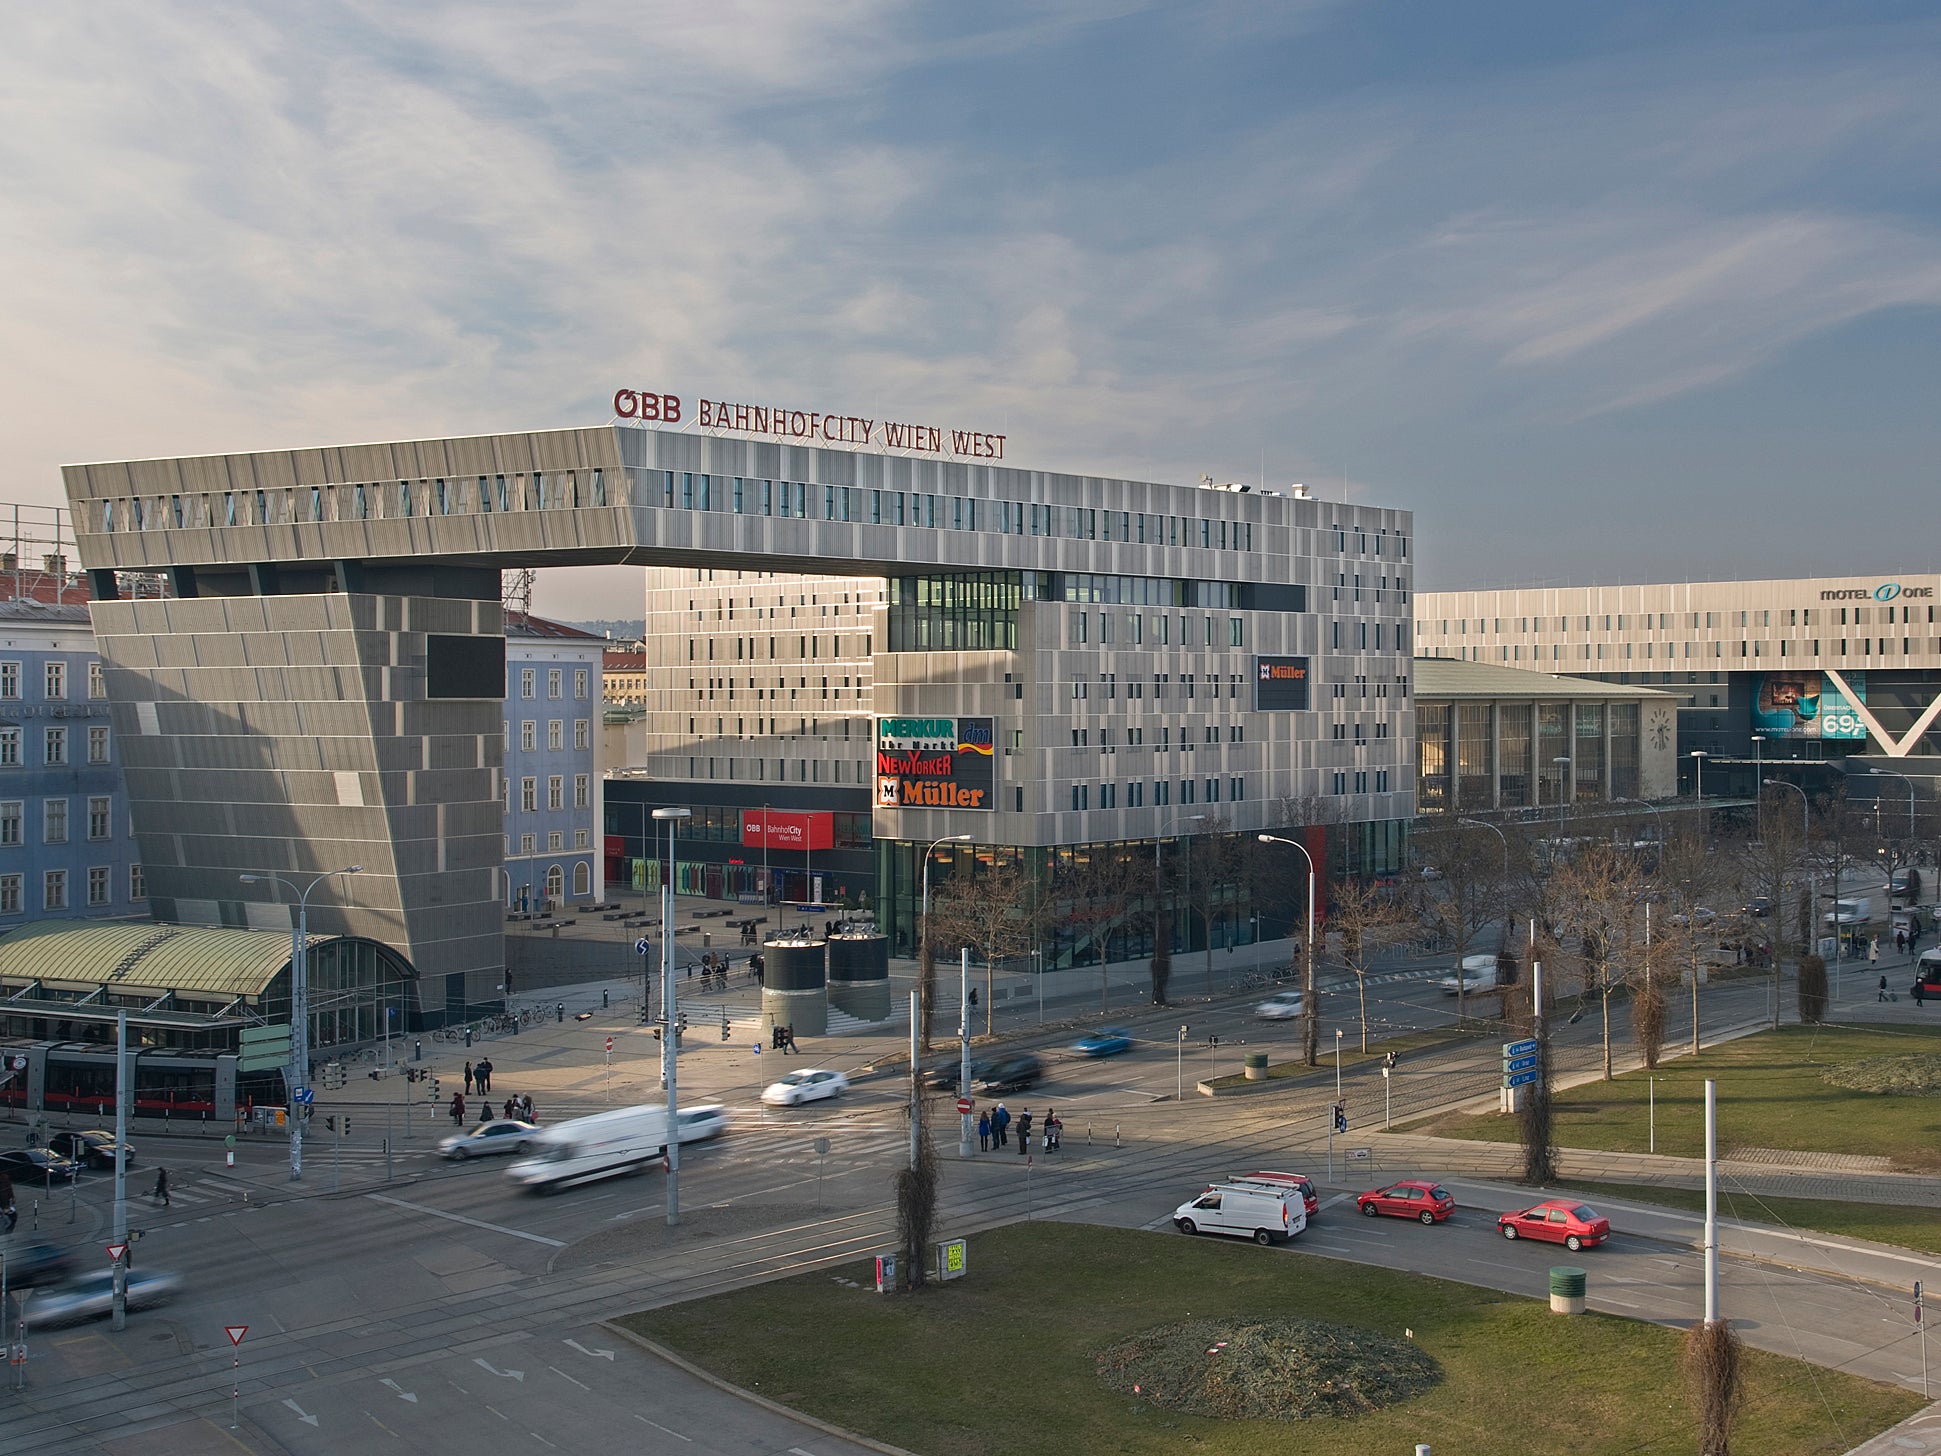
(449, 1310)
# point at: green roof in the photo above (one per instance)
(1454, 677)
(214, 961)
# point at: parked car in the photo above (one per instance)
(1281, 1006)
(489, 1139)
(1411, 1198)
(37, 1165)
(1296, 1182)
(1265, 1215)
(1701, 915)
(93, 1149)
(810, 1084)
(1759, 905)
(93, 1295)
(1430, 872)
(1012, 1074)
(1558, 1221)
(1478, 973)
(1107, 1043)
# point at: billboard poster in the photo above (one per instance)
(934, 763)
(1806, 704)
(788, 829)
(1280, 684)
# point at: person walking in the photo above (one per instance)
(1873, 950)
(482, 1074)
(788, 1040)
(1883, 989)
(1900, 940)
(1024, 1132)
(468, 1079)
(458, 1109)
(159, 1193)
(984, 1131)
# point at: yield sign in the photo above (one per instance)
(235, 1333)
(115, 1251)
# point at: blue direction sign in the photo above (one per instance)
(1519, 1079)
(1525, 1048)
(306, 1096)
(1520, 1064)
(640, 946)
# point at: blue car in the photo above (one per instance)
(1108, 1043)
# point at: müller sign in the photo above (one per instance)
(782, 423)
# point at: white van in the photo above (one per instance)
(1850, 912)
(1265, 1215)
(626, 1140)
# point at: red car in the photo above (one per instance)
(1289, 1181)
(1560, 1220)
(1411, 1198)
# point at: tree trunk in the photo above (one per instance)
(926, 988)
(1310, 1009)
(1361, 989)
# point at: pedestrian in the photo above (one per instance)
(1053, 1127)
(984, 1131)
(1024, 1132)
(788, 1040)
(1920, 993)
(525, 1108)
(1900, 940)
(511, 1109)
(973, 998)
(7, 1210)
(160, 1192)
(1883, 989)
(1873, 950)
(468, 1079)
(1001, 1125)
(458, 1109)
(482, 1074)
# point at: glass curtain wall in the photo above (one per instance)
(1432, 757)
(1553, 743)
(1624, 750)
(1590, 751)
(1473, 765)
(1513, 729)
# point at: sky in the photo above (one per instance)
(1637, 292)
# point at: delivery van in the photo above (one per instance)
(1850, 912)
(605, 1145)
(1265, 1215)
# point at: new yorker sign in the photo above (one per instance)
(933, 763)
(810, 426)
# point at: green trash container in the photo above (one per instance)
(1567, 1289)
(1256, 1063)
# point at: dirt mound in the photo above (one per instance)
(1916, 1075)
(1284, 1370)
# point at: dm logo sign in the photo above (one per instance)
(1887, 591)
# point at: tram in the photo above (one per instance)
(78, 1079)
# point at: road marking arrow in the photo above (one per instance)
(596, 1354)
(308, 1420)
(403, 1394)
(490, 1369)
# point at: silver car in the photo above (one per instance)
(93, 1295)
(488, 1139)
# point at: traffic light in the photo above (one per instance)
(724, 1025)
(330, 1122)
(346, 1124)
(1389, 1061)
(1341, 1117)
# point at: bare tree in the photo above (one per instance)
(916, 1208)
(1213, 868)
(1366, 918)
(1690, 874)
(1469, 893)
(1598, 891)
(996, 911)
(1103, 891)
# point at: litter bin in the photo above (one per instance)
(1256, 1064)
(1567, 1289)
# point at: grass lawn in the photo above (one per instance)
(1884, 1223)
(1771, 1095)
(1352, 1055)
(1004, 1360)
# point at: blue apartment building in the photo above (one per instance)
(66, 850)
(552, 782)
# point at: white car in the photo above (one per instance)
(703, 1122)
(1478, 973)
(93, 1295)
(489, 1139)
(807, 1085)
(1281, 1006)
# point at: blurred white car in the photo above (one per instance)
(703, 1122)
(1478, 973)
(489, 1139)
(1281, 1006)
(93, 1295)
(808, 1085)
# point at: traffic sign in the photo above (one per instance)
(964, 1105)
(235, 1333)
(1520, 1064)
(1524, 1048)
(609, 1046)
(115, 1251)
(640, 946)
(306, 1095)
(1519, 1079)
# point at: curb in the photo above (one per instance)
(661, 1352)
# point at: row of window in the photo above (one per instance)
(53, 679)
(1141, 626)
(1136, 737)
(555, 841)
(1339, 639)
(1663, 621)
(1162, 682)
(440, 496)
(1341, 779)
(555, 882)
(1647, 651)
(555, 682)
(555, 793)
(53, 745)
(1162, 793)
(54, 889)
(54, 820)
(555, 734)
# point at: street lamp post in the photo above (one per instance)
(963, 1018)
(1497, 831)
(1889, 773)
(299, 1077)
(1805, 805)
(1308, 1007)
(1698, 757)
(1159, 876)
(670, 1023)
